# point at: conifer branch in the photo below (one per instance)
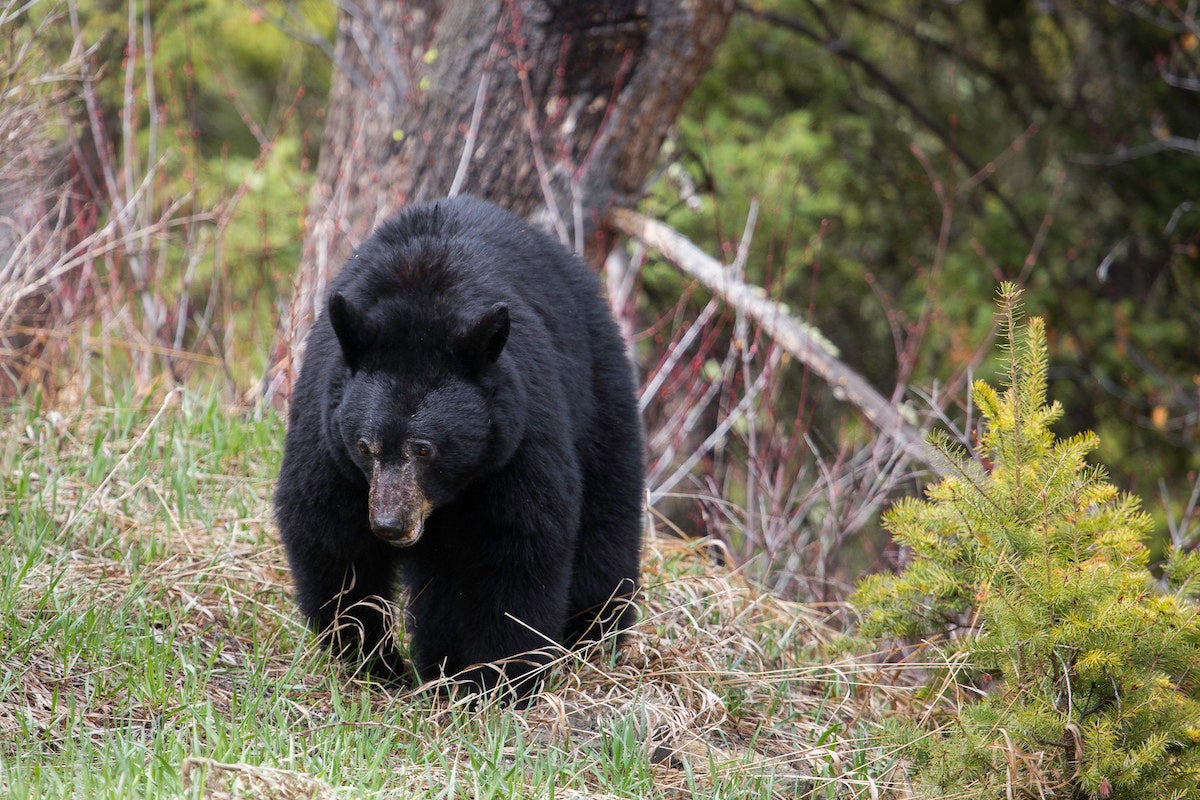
(1042, 593)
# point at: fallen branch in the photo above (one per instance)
(802, 341)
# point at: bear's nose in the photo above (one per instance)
(387, 526)
(397, 530)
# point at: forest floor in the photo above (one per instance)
(149, 647)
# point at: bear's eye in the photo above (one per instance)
(363, 447)
(422, 450)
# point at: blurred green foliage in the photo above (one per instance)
(225, 72)
(220, 102)
(909, 156)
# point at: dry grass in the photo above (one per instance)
(144, 608)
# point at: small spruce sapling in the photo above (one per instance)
(1066, 670)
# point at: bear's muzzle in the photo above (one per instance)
(397, 504)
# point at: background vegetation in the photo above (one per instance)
(901, 161)
(910, 156)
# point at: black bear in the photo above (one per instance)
(465, 426)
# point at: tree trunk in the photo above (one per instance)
(554, 109)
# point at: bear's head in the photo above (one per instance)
(428, 406)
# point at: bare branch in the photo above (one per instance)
(802, 341)
(464, 161)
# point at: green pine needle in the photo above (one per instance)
(1067, 670)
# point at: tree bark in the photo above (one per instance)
(554, 109)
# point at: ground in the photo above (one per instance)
(150, 647)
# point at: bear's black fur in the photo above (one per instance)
(465, 424)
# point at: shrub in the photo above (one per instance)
(1063, 668)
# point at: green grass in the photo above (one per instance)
(148, 647)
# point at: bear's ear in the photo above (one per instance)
(485, 339)
(349, 327)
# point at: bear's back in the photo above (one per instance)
(462, 254)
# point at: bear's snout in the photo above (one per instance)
(397, 504)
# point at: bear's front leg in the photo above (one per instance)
(494, 623)
(345, 584)
(348, 604)
(489, 584)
